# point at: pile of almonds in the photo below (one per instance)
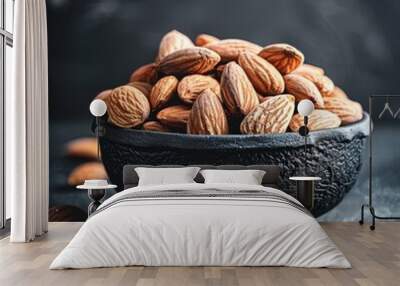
(227, 86)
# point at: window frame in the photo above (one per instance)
(6, 39)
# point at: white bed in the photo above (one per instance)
(267, 229)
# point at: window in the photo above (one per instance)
(6, 62)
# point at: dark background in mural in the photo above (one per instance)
(95, 45)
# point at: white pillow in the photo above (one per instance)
(248, 177)
(166, 176)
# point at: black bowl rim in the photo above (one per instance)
(143, 138)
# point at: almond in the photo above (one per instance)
(324, 84)
(265, 78)
(271, 116)
(264, 98)
(146, 73)
(284, 57)
(230, 49)
(174, 116)
(190, 87)
(204, 39)
(207, 116)
(155, 126)
(189, 61)
(303, 88)
(163, 91)
(127, 107)
(172, 42)
(348, 111)
(82, 148)
(237, 92)
(310, 68)
(87, 171)
(337, 92)
(144, 87)
(318, 119)
(104, 94)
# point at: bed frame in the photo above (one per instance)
(272, 176)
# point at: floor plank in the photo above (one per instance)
(375, 257)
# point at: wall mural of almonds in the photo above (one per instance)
(227, 86)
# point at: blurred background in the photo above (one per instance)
(96, 44)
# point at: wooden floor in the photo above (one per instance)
(375, 257)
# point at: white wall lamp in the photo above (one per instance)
(305, 108)
(98, 108)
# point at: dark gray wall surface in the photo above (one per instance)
(95, 44)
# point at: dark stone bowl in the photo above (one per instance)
(335, 155)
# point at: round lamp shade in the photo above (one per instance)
(305, 107)
(98, 107)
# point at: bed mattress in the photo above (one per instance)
(201, 225)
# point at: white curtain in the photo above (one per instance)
(27, 124)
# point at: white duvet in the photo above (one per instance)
(200, 231)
